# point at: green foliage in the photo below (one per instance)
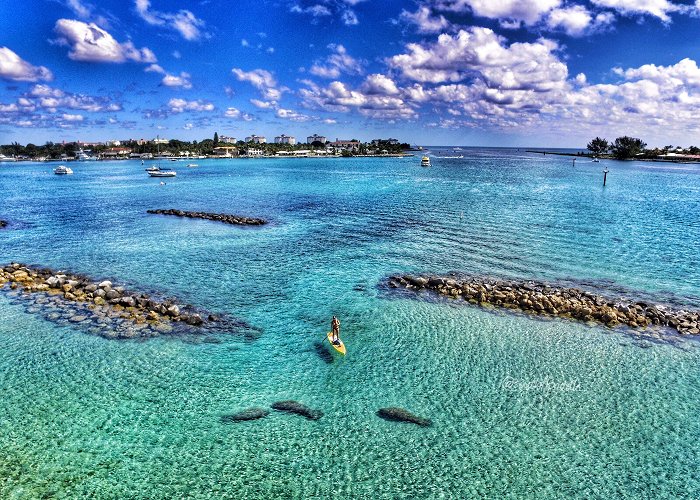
(627, 147)
(598, 146)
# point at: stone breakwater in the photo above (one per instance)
(548, 300)
(101, 308)
(225, 218)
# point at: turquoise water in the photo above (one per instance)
(521, 407)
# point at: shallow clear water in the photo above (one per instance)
(521, 407)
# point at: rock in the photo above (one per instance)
(53, 282)
(77, 318)
(291, 406)
(128, 301)
(112, 294)
(90, 288)
(245, 415)
(226, 218)
(195, 320)
(105, 284)
(395, 414)
(173, 311)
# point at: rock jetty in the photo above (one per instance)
(225, 218)
(291, 406)
(548, 300)
(395, 414)
(102, 308)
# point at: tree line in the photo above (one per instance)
(624, 148)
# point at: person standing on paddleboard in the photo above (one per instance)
(335, 328)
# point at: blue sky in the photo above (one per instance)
(467, 72)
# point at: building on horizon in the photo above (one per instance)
(227, 139)
(285, 139)
(345, 145)
(253, 153)
(316, 138)
(257, 139)
(158, 140)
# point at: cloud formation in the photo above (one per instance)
(338, 62)
(14, 68)
(262, 80)
(182, 21)
(90, 43)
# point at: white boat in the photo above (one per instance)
(192, 165)
(7, 158)
(162, 173)
(595, 160)
(81, 155)
(425, 162)
(62, 170)
(156, 171)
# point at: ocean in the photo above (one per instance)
(521, 407)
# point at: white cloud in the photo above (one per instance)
(425, 21)
(177, 105)
(13, 67)
(655, 8)
(338, 62)
(369, 100)
(481, 53)
(525, 11)
(188, 126)
(262, 80)
(238, 115)
(181, 81)
(89, 42)
(349, 18)
(263, 104)
(72, 118)
(294, 116)
(327, 9)
(183, 21)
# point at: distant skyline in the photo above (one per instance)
(455, 72)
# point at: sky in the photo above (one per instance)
(550, 73)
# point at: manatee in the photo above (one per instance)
(395, 414)
(298, 408)
(242, 416)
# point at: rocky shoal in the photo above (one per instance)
(101, 308)
(549, 300)
(225, 218)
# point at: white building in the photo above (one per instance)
(257, 139)
(160, 141)
(285, 139)
(227, 139)
(316, 138)
(253, 153)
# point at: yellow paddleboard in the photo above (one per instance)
(340, 348)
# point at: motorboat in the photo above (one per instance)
(425, 162)
(153, 168)
(62, 170)
(162, 173)
(192, 165)
(595, 160)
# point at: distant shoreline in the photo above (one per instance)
(609, 157)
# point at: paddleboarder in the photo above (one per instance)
(335, 328)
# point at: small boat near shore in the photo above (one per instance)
(425, 162)
(192, 165)
(62, 170)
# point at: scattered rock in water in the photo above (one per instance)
(3, 224)
(544, 299)
(292, 406)
(225, 218)
(107, 310)
(395, 414)
(245, 415)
